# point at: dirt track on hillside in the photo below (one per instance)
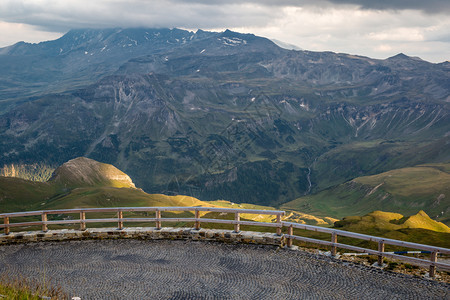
(163, 269)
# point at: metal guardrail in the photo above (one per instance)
(237, 222)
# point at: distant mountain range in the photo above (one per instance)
(220, 115)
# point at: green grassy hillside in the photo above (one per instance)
(86, 183)
(416, 228)
(18, 194)
(406, 191)
(83, 182)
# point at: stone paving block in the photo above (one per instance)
(164, 269)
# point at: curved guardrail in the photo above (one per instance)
(277, 223)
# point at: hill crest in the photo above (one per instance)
(381, 220)
(84, 171)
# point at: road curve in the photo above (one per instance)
(165, 269)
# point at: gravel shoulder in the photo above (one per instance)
(165, 269)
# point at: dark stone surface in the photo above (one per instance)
(163, 269)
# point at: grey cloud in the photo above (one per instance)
(428, 6)
(316, 26)
(62, 15)
(121, 13)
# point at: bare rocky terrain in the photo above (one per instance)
(134, 269)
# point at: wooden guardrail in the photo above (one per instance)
(44, 222)
(237, 222)
(432, 263)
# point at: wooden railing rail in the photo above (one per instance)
(157, 219)
(237, 222)
(432, 263)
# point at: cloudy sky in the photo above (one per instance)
(375, 28)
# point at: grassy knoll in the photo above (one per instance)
(406, 191)
(419, 228)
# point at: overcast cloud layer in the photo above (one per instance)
(378, 29)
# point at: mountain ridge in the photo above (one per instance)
(224, 115)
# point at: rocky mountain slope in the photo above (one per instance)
(220, 115)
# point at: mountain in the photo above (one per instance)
(220, 115)
(405, 190)
(78, 59)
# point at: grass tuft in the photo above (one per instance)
(25, 289)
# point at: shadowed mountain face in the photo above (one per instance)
(220, 115)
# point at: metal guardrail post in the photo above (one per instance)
(44, 219)
(6, 221)
(197, 221)
(237, 218)
(380, 249)
(82, 221)
(433, 258)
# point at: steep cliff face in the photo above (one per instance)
(225, 115)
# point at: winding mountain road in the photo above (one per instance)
(165, 269)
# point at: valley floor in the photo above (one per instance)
(163, 269)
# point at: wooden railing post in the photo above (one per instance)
(120, 223)
(333, 240)
(237, 226)
(82, 220)
(380, 249)
(279, 223)
(290, 232)
(44, 219)
(433, 258)
(6, 221)
(197, 221)
(158, 217)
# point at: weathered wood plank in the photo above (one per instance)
(158, 219)
(333, 243)
(368, 237)
(82, 221)
(237, 218)
(6, 223)
(279, 222)
(197, 219)
(380, 249)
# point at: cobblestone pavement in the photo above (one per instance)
(164, 269)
